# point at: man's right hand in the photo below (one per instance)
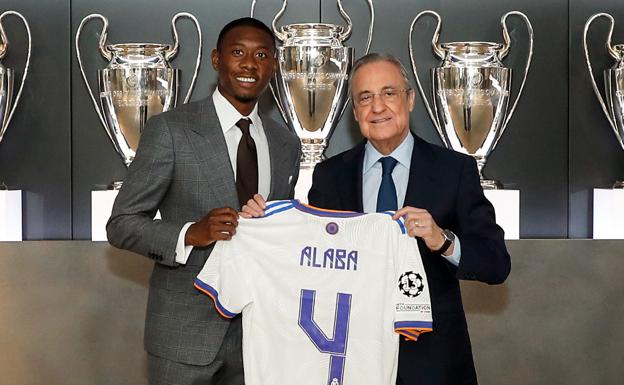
(218, 225)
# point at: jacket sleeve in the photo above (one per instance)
(132, 225)
(484, 256)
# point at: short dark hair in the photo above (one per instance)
(247, 22)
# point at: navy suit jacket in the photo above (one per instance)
(446, 184)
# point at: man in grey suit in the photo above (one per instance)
(196, 164)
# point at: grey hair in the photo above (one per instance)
(374, 57)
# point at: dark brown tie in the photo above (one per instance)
(246, 164)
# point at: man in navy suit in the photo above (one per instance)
(442, 202)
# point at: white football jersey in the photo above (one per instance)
(324, 294)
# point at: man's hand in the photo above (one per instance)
(254, 207)
(218, 225)
(419, 223)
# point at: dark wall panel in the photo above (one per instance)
(555, 153)
(532, 154)
(95, 162)
(596, 158)
(35, 153)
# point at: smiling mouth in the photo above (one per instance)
(380, 120)
(246, 79)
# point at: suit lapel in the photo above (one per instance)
(280, 162)
(351, 180)
(210, 148)
(420, 175)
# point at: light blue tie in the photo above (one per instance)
(387, 197)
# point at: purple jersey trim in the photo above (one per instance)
(324, 213)
(413, 325)
(215, 296)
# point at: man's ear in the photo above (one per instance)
(411, 99)
(214, 56)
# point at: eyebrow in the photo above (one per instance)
(385, 88)
(239, 44)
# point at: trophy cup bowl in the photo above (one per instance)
(312, 84)
(137, 84)
(471, 92)
(613, 102)
(7, 75)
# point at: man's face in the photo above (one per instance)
(245, 65)
(385, 123)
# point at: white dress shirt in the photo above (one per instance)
(371, 180)
(228, 117)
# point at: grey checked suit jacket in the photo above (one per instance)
(182, 168)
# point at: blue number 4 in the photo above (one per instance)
(336, 347)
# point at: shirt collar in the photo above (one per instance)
(228, 115)
(403, 154)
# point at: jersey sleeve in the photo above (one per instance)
(411, 290)
(222, 278)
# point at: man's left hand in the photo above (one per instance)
(419, 223)
(254, 207)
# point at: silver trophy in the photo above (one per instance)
(138, 83)
(471, 92)
(7, 75)
(311, 87)
(613, 82)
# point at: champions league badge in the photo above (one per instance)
(411, 284)
(332, 228)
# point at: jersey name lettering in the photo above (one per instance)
(338, 259)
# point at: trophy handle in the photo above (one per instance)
(439, 51)
(612, 52)
(347, 32)
(253, 8)
(5, 44)
(174, 50)
(506, 47)
(371, 26)
(108, 55)
(280, 35)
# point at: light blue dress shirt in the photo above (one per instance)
(371, 180)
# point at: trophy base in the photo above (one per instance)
(10, 215)
(608, 211)
(488, 184)
(101, 208)
(619, 184)
(506, 205)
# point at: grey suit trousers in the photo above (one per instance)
(226, 369)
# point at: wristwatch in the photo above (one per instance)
(449, 237)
